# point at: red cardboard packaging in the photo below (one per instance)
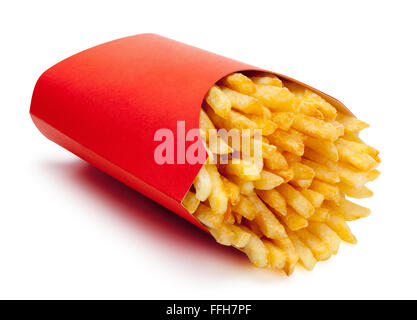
(105, 104)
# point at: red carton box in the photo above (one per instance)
(105, 104)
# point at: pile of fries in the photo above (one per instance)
(288, 205)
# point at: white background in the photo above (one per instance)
(70, 231)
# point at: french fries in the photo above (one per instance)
(288, 203)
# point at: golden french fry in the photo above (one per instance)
(315, 198)
(245, 208)
(293, 220)
(246, 187)
(268, 181)
(267, 79)
(292, 256)
(207, 217)
(321, 147)
(267, 126)
(243, 102)
(273, 199)
(218, 101)
(257, 252)
(275, 98)
(275, 161)
(190, 202)
(320, 215)
(223, 234)
(240, 83)
(302, 171)
(296, 200)
(202, 184)
(303, 184)
(315, 127)
(283, 120)
(325, 108)
(244, 169)
(306, 257)
(287, 174)
(228, 217)
(355, 192)
(277, 256)
(319, 249)
(287, 142)
(310, 110)
(322, 172)
(360, 160)
(325, 234)
(266, 220)
(348, 210)
(339, 225)
(339, 127)
(350, 123)
(218, 197)
(232, 190)
(359, 147)
(352, 136)
(329, 191)
(241, 237)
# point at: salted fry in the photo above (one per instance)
(240, 238)
(277, 256)
(257, 252)
(267, 79)
(244, 169)
(283, 120)
(294, 221)
(320, 215)
(275, 161)
(325, 108)
(266, 220)
(218, 197)
(287, 142)
(218, 101)
(274, 199)
(339, 225)
(350, 123)
(319, 249)
(268, 181)
(202, 184)
(245, 208)
(330, 192)
(306, 257)
(325, 234)
(232, 191)
(360, 160)
(292, 256)
(315, 198)
(348, 210)
(243, 102)
(322, 172)
(275, 98)
(315, 127)
(267, 126)
(190, 202)
(355, 192)
(296, 200)
(245, 187)
(207, 217)
(223, 234)
(240, 83)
